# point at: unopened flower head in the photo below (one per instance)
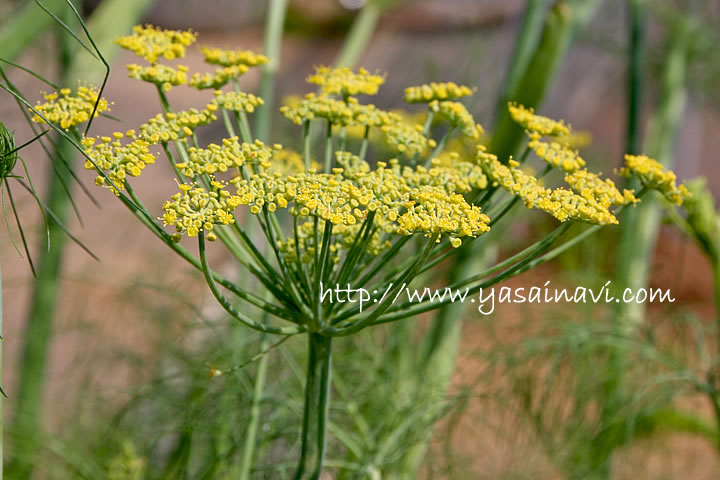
(436, 91)
(703, 218)
(654, 176)
(231, 58)
(7, 145)
(67, 109)
(151, 43)
(344, 82)
(526, 118)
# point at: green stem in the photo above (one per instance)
(328, 147)
(364, 143)
(306, 144)
(561, 23)
(636, 57)
(440, 147)
(715, 396)
(24, 26)
(2, 393)
(255, 410)
(41, 318)
(315, 412)
(524, 48)
(272, 44)
(360, 34)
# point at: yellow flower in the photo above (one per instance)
(561, 203)
(116, 160)
(458, 116)
(556, 154)
(432, 210)
(175, 125)
(220, 78)
(436, 91)
(343, 81)
(526, 118)
(161, 75)
(653, 176)
(151, 43)
(195, 209)
(590, 185)
(406, 138)
(314, 106)
(221, 158)
(237, 101)
(230, 58)
(289, 162)
(69, 110)
(450, 172)
(400, 209)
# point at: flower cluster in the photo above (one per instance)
(653, 176)
(345, 82)
(401, 208)
(161, 75)
(556, 154)
(406, 138)
(221, 158)
(152, 43)
(117, 160)
(230, 58)
(176, 125)
(196, 209)
(313, 106)
(561, 203)
(237, 101)
(589, 185)
(219, 79)
(458, 116)
(68, 110)
(436, 91)
(526, 118)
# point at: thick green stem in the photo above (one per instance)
(636, 57)
(316, 409)
(24, 26)
(39, 330)
(525, 44)
(360, 34)
(272, 45)
(640, 228)
(562, 22)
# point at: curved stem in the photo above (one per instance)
(229, 308)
